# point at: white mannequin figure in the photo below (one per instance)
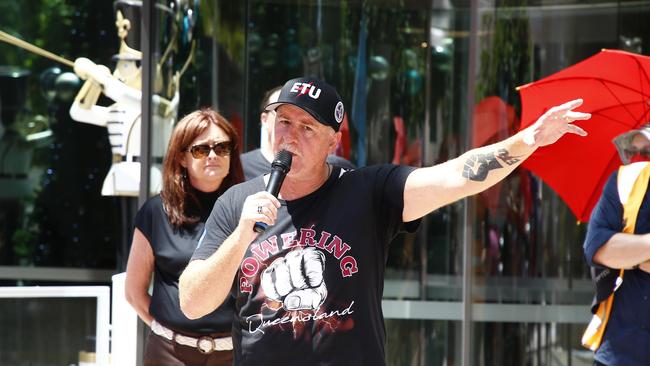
(122, 119)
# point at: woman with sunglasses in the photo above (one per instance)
(202, 161)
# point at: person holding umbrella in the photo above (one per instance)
(617, 247)
(308, 289)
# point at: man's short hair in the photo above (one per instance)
(267, 96)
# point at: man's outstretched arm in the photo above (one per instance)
(476, 170)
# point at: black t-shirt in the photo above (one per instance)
(255, 164)
(309, 289)
(172, 249)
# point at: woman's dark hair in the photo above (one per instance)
(176, 184)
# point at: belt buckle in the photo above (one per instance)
(205, 345)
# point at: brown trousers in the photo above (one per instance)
(162, 352)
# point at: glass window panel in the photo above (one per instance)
(200, 45)
(47, 331)
(535, 344)
(51, 166)
(524, 231)
(422, 342)
(527, 246)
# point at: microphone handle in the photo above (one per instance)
(273, 187)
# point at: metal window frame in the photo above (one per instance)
(101, 293)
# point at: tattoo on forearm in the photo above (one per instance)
(478, 166)
(504, 155)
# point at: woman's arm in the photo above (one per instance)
(138, 275)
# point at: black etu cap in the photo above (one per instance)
(315, 97)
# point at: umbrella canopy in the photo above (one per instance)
(615, 87)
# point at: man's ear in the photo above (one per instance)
(263, 117)
(334, 142)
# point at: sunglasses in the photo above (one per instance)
(634, 155)
(632, 151)
(223, 148)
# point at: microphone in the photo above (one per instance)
(279, 169)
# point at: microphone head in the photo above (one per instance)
(282, 161)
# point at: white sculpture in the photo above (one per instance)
(122, 119)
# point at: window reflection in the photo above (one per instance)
(47, 331)
(51, 212)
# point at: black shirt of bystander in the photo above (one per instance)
(172, 250)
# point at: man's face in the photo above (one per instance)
(639, 149)
(308, 140)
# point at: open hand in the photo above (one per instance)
(555, 123)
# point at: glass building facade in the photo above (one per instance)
(495, 279)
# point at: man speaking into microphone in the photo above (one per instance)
(308, 289)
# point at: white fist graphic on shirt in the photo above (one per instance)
(297, 280)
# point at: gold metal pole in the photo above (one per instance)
(31, 48)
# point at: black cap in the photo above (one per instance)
(315, 97)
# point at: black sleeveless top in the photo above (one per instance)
(172, 249)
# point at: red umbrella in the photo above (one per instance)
(615, 88)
